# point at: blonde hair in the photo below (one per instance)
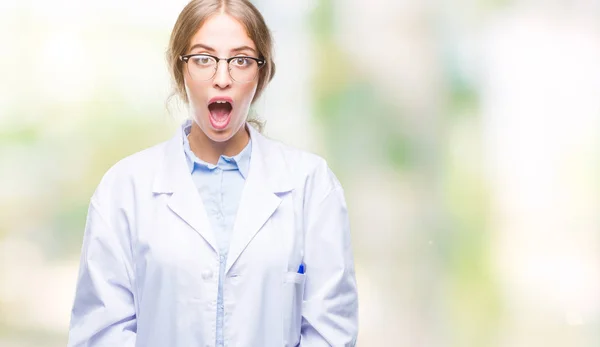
(193, 16)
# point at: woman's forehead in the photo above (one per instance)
(222, 33)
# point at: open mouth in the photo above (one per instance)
(220, 113)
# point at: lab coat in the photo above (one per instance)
(149, 265)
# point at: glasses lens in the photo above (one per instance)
(243, 70)
(202, 67)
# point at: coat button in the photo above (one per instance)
(207, 274)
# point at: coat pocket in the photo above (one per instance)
(293, 294)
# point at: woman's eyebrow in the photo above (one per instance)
(234, 50)
(201, 46)
(243, 48)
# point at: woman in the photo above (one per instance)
(220, 236)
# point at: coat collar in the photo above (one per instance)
(269, 177)
(267, 161)
(240, 161)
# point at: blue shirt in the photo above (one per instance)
(220, 187)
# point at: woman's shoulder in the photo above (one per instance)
(133, 170)
(309, 169)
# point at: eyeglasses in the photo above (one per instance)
(203, 67)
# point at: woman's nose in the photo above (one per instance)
(222, 77)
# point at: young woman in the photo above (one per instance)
(220, 236)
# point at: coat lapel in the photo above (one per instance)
(267, 177)
(175, 179)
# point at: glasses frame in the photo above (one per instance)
(261, 62)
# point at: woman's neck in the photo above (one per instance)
(209, 151)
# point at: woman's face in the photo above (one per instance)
(220, 105)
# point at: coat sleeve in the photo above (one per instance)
(330, 305)
(103, 312)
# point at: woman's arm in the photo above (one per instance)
(103, 312)
(330, 307)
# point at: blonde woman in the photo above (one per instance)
(219, 236)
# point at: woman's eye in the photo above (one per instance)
(202, 60)
(240, 61)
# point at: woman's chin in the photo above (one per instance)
(218, 134)
(220, 130)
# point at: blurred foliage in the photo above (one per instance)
(360, 127)
(109, 130)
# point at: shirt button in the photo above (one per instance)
(207, 274)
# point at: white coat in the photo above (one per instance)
(149, 265)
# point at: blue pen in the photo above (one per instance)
(301, 269)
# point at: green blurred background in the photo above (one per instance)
(465, 133)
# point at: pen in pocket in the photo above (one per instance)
(301, 269)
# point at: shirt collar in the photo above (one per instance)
(240, 161)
